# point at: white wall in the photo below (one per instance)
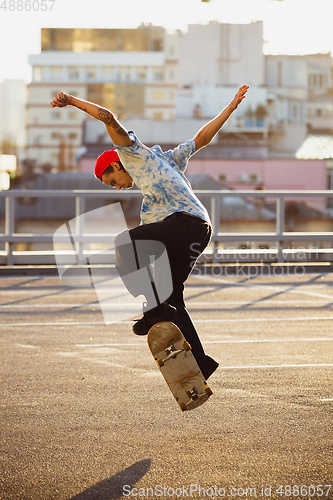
(212, 100)
(289, 141)
(13, 97)
(198, 55)
(222, 54)
(286, 71)
(150, 131)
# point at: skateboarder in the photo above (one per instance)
(170, 212)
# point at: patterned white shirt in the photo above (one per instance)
(160, 178)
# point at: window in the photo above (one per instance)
(72, 136)
(158, 75)
(39, 74)
(158, 115)
(90, 74)
(295, 112)
(279, 74)
(125, 74)
(157, 44)
(141, 74)
(250, 178)
(36, 73)
(224, 177)
(55, 115)
(171, 51)
(171, 75)
(72, 115)
(56, 73)
(242, 177)
(158, 96)
(55, 136)
(330, 183)
(254, 178)
(330, 180)
(73, 73)
(107, 74)
(317, 81)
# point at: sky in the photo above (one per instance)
(290, 26)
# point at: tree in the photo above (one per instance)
(8, 147)
(261, 112)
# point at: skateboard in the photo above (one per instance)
(175, 359)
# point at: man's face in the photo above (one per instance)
(118, 179)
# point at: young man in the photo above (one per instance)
(171, 214)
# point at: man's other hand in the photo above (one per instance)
(60, 100)
(240, 96)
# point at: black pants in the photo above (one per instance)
(184, 237)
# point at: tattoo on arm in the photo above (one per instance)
(82, 109)
(121, 131)
(108, 118)
(105, 116)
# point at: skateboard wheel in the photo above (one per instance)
(187, 346)
(160, 363)
(208, 391)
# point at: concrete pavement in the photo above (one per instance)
(85, 412)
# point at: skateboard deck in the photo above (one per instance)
(178, 365)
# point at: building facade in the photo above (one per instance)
(301, 99)
(168, 84)
(13, 95)
(131, 71)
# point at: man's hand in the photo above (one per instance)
(239, 96)
(60, 100)
(115, 130)
(208, 131)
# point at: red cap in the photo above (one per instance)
(104, 161)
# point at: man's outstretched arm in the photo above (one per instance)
(115, 130)
(208, 131)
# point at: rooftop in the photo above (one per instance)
(316, 147)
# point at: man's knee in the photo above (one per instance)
(122, 238)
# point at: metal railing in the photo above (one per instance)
(278, 238)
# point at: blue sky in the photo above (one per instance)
(290, 26)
